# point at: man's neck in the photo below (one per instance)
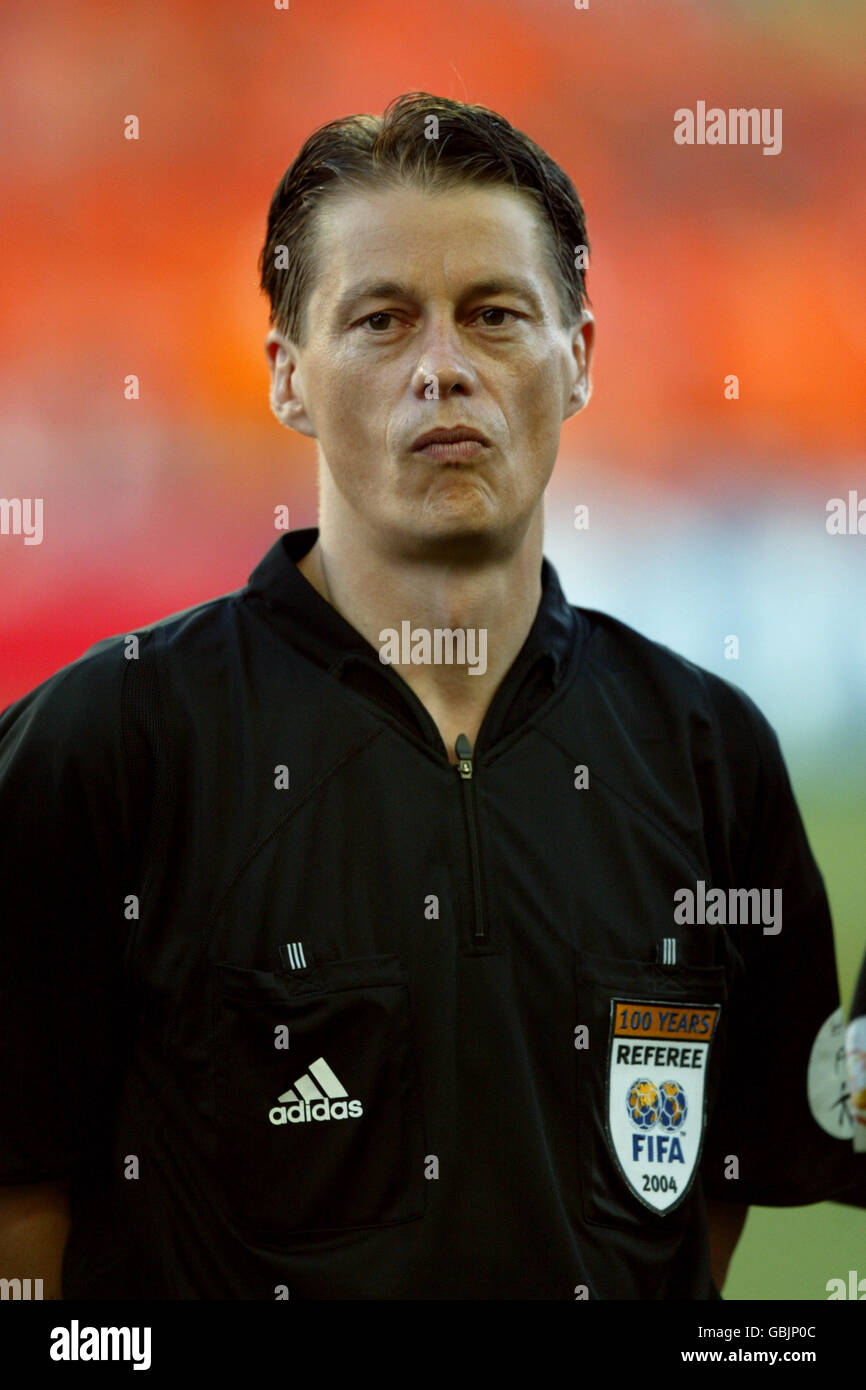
(493, 604)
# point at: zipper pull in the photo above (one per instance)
(463, 749)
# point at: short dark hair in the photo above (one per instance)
(473, 145)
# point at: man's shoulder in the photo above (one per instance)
(84, 697)
(179, 629)
(663, 688)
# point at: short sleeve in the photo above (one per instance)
(65, 829)
(781, 1111)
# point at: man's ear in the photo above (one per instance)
(582, 344)
(287, 390)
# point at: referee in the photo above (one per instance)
(391, 928)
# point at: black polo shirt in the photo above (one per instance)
(306, 1010)
(314, 627)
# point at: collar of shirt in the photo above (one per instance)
(314, 626)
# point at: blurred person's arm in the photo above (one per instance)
(34, 1226)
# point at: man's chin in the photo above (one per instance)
(457, 514)
(458, 534)
(460, 504)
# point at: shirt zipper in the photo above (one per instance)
(463, 749)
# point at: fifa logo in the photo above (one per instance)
(650, 1106)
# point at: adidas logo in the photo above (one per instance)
(306, 1101)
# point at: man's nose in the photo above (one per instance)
(443, 364)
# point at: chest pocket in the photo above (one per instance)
(646, 1084)
(318, 1104)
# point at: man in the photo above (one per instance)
(350, 950)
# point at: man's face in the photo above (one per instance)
(415, 293)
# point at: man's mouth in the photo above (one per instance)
(451, 445)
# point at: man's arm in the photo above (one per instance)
(34, 1225)
(68, 818)
(725, 1221)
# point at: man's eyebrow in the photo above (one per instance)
(373, 289)
(394, 289)
(507, 284)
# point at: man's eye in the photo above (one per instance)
(497, 311)
(377, 325)
(381, 314)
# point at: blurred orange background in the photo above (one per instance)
(140, 257)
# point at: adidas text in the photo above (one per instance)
(299, 1111)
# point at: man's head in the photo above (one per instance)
(425, 270)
